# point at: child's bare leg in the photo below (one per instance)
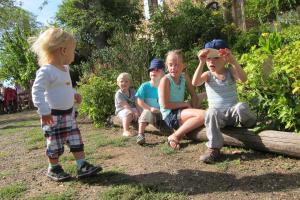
(142, 127)
(126, 122)
(191, 119)
(53, 161)
(78, 155)
(140, 139)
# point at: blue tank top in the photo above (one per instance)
(176, 93)
(221, 94)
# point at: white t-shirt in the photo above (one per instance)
(52, 89)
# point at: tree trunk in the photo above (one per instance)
(285, 143)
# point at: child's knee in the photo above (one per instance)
(201, 115)
(212, 113)
(241, 107)
(246, 117)
(146, 117)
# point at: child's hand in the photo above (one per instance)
(135, 116)
(226, 53)
(154, 110)
(47, 119)
(202, 55)
(77, 98)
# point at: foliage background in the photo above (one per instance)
(113, 37)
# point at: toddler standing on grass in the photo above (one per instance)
(53, 95)
(125, 103)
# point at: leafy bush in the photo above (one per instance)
(18, 63)
(273, 86)
(94, 22)
(245, 40)
(98, 98)
(186, 26)
(126, 53)
(269, 42)
(264, 11)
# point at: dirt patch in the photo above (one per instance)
(242, 174)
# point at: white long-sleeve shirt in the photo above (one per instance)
(52, 89)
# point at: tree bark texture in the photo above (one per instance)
(285, 143)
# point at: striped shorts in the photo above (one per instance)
(63, 131)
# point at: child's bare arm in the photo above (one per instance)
(236, 70)
(164, 95)
(191, 91)
(145, 106)
(142, 104)
(199, 77)
(125, 105)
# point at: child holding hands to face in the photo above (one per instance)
(53, 95)
(125, 103)
(220, 83)
(177, 113)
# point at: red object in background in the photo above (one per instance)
(9, 95)
(10, 101)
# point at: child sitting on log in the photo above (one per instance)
(220, 84)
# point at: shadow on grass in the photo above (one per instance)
(20, 126)
(3, 122)
(199, 182)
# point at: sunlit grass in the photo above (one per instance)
(102, 141)
(66, 195)
(166, 149)
(5, 174)
(34, 139)
(3, 155)
(13, 191)
(226, 164)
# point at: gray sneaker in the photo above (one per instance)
(210, 156)
(87, 170)
(58, 174)
(140, 139)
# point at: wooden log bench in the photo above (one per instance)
(285, 143)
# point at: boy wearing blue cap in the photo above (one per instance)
(220, 84)
(147, 98)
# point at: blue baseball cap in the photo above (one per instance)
(156, 64)
(216, 44)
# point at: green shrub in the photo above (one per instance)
(184, 27)
(245, 40)
(273, 86)
(264, 11)
(269, 42)
(126, 53)
(13, 191)
(98, 98)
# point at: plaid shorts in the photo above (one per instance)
(63, 131)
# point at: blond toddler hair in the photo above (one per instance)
(48, 42)
(124, 75)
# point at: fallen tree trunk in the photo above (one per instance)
(285, 143)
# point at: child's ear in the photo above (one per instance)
(63, 50)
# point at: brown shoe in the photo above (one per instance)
(210, 156)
